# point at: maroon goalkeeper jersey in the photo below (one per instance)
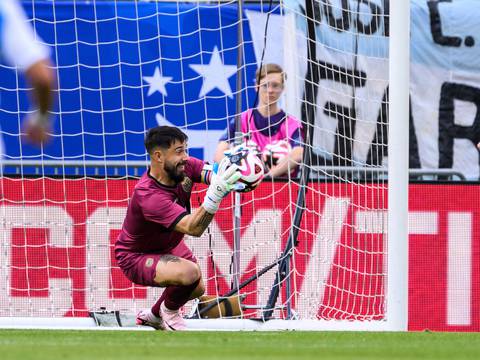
(154, 210)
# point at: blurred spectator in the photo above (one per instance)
(277, 136)
(20, 48)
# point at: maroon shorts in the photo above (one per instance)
(141, 268)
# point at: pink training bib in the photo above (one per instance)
(287, 129)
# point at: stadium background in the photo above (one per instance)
(104, 108)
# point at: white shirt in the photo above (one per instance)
(19, 47)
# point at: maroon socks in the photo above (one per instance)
(174, 296)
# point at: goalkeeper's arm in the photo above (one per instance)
(221, 184)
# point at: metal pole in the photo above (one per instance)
(237, 214)
(397, 247)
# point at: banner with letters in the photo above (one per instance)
(352, 53)
(57, 258)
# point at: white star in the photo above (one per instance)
(157, 82)
(215, 75)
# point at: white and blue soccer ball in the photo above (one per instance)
(250, 166)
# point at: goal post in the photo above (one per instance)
(399, 94)
(124, 67)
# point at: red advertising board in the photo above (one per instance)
(57, 251)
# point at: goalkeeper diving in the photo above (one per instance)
(150, 249)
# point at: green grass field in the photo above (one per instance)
(92, 345)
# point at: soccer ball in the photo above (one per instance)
(250, 167)
(275, 152)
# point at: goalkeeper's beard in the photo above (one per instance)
(174, 173)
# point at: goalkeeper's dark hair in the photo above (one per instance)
(163, 137)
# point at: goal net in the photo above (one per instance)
(320, 257)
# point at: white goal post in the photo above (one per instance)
(124, 67)
(397, 258)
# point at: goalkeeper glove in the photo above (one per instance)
(221, 184)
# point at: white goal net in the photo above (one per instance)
(124, 67)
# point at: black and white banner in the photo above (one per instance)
(352, 53)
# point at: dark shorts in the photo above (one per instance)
(141, 268)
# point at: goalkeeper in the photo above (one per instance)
(150, 249)
(268, 123)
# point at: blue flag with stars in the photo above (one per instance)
(127, 66)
